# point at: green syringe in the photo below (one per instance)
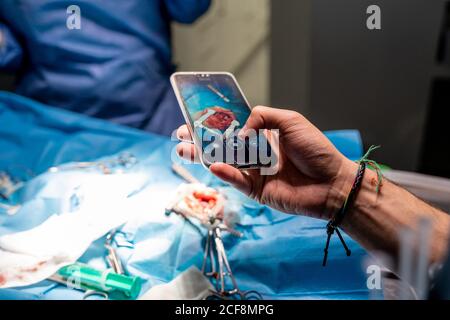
(107, 281)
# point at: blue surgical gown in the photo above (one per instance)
(115, 67)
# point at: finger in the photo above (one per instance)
(183, 134)
(236, 178)
(188, 152)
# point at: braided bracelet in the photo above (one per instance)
(333, 224)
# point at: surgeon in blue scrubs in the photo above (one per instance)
(116, 66)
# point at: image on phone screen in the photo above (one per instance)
(217, 111)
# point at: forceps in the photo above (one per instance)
(112, 257)
(114, 262)
(213, 245)
(214, 241)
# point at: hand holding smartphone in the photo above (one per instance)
(215, 110)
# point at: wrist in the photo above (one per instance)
(365, 200)
(340, 187)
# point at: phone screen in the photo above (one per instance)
(217, 111)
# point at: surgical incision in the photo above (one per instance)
(200, 202)
(216, 118)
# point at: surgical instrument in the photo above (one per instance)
(183, 173)
(125, 160)
(112, 257)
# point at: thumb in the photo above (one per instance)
(268, 118)
(235, 177)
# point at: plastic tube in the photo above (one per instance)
(101, 280)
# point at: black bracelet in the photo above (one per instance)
(337, 219)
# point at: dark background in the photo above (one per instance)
(391, 84)
(6, 81)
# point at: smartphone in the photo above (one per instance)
(215, 110)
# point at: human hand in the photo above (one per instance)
(313, 178)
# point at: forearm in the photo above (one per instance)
(375, 220)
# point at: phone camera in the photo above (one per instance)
(203, 77)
